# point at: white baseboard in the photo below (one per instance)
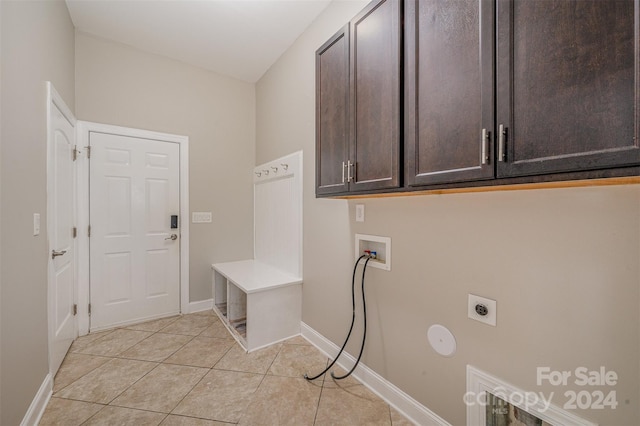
(39, 403)
(132, 321)
(409, 407)
(199, 306)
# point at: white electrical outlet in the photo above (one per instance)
(482, 309)
(200, 217)
(359, 212)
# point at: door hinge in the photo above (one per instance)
(484, 147)
(502, 136)
(75, 310)
(89, 231)
(74, 153)
(74, 232)
(89, 309)
(88, 148)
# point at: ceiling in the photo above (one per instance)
(237, 38)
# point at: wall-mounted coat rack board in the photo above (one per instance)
(260, 299)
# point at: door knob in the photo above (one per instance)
(172, 237)
(55, 254)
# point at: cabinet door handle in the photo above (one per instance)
(484, 143)
(502, 131)
(343, 166)
(350, 176)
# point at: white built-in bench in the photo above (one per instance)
(259, 304)
(260, 300)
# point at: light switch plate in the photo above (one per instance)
(200, 217)
(359, 212)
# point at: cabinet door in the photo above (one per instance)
(375, 96)
(567, 88)
(449, 93)
(332, 114)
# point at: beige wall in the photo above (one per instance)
(116, 84)
(37, 45)
(563, 265)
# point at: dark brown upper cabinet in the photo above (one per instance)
(376, 82)
(567, 86)
(420, 95)
(332, 114)
(358, 103)
(449, 91)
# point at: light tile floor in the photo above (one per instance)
(187, 370)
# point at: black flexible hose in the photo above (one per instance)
(364, 333)
(353, 320)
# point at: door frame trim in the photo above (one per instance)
(84, 129)
(54, 99)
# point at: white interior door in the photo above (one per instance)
(134, 252)
(61, 222)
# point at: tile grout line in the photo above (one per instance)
(196, 384)
(264, 376)
(187, 394)
(160, 331)
(117, 356)
(167, 357)
(279, 358)
(153, 333)
(274, 360)
(79, 351)
(54, 394)
(127, 408)
(315, 417)
(129, 387)
(199, 381)
(94, 414)
(158, 364)
(143, 376)
(322, 387)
